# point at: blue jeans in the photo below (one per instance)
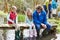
(48, 26)
(39, 26)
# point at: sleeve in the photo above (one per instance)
(27, 20)
(35, 20)
(17, 20)
(45, 18)
(9, 18)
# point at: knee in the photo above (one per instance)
(48, 26)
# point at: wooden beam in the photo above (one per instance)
(7, 28)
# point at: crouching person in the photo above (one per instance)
(12, 19)
(29, 21)
(40, 20)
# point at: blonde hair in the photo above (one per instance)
(28, 10)
(14, 7)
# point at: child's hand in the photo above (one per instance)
(33, 25)
(13, 22)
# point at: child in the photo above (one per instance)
(29, 21)
(12, 19)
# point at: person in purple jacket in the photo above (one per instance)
(40, 19)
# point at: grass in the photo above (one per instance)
(56, 21)
(3, 14)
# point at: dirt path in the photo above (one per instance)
(51, 37)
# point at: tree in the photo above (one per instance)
(5, 6)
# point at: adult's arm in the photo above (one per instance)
(45, 18)
(35, 19)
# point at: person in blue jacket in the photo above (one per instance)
(54, 4)
(40, 19)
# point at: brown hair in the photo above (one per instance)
(39, 7)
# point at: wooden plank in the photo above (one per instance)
(6, 26)
(12, 26)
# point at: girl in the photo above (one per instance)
(29, 21)
(12, 19)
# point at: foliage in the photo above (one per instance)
(3, 14)
(21, 18)
(56, 21)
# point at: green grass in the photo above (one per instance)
(56, 21)
(58, 28)
(3, 14)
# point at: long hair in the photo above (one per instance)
(28, 10)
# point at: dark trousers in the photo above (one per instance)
(49, 9)
(38, 31)
(49, 14)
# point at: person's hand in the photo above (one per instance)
(44, 26)
(33, 25)
(13, 22)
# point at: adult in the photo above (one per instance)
(40, 19)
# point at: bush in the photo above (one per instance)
(3, 14)
(21, 18)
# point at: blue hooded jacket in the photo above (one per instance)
(39, 18)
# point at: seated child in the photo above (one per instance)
(12, 19)
(29, 21)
